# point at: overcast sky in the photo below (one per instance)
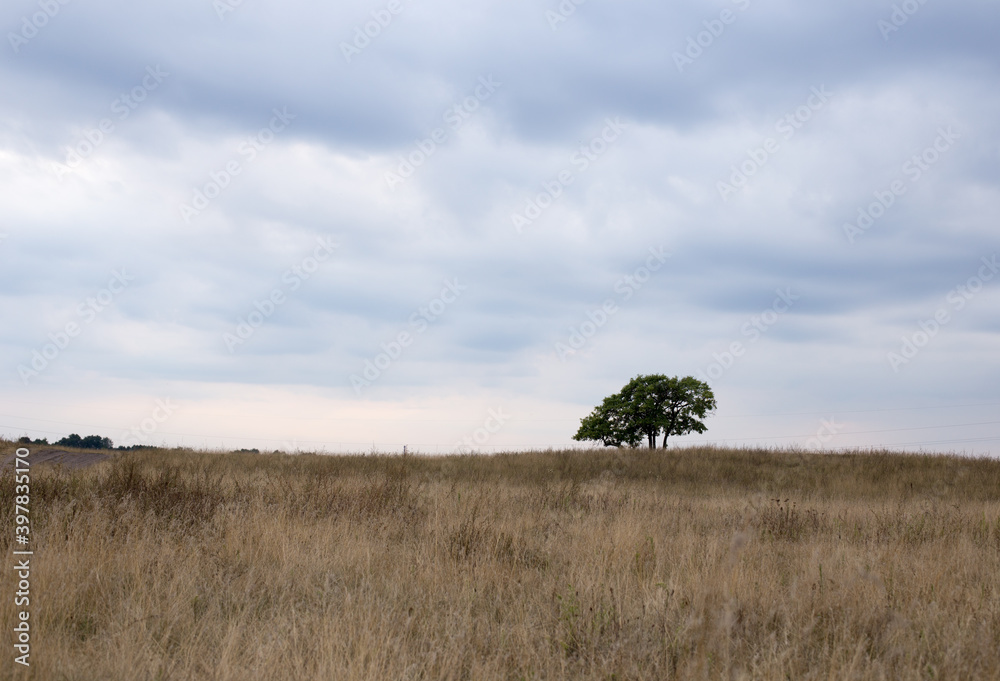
(307, 226)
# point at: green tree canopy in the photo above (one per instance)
(610, 423)
(89, 442)
(647, 406)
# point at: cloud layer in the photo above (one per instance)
(241, 206)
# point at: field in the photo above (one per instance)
(690, 564)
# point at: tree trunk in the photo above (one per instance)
(668, 428)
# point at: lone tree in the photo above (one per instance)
(610, 423)
(646, 406)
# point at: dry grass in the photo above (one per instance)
(698, 563)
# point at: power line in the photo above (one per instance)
(561, 445)
(854, 411)
(934, 442)
(448, 420)
(860, 432)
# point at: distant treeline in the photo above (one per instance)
(88, 442)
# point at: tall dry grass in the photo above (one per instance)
(697, 563)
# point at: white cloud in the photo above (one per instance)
(655, 185)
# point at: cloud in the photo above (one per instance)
(535, 145)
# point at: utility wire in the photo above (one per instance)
(296, 441)
(835, 412)
(739, 439)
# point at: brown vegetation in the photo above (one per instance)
(693, 563)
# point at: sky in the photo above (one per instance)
(457, 227)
